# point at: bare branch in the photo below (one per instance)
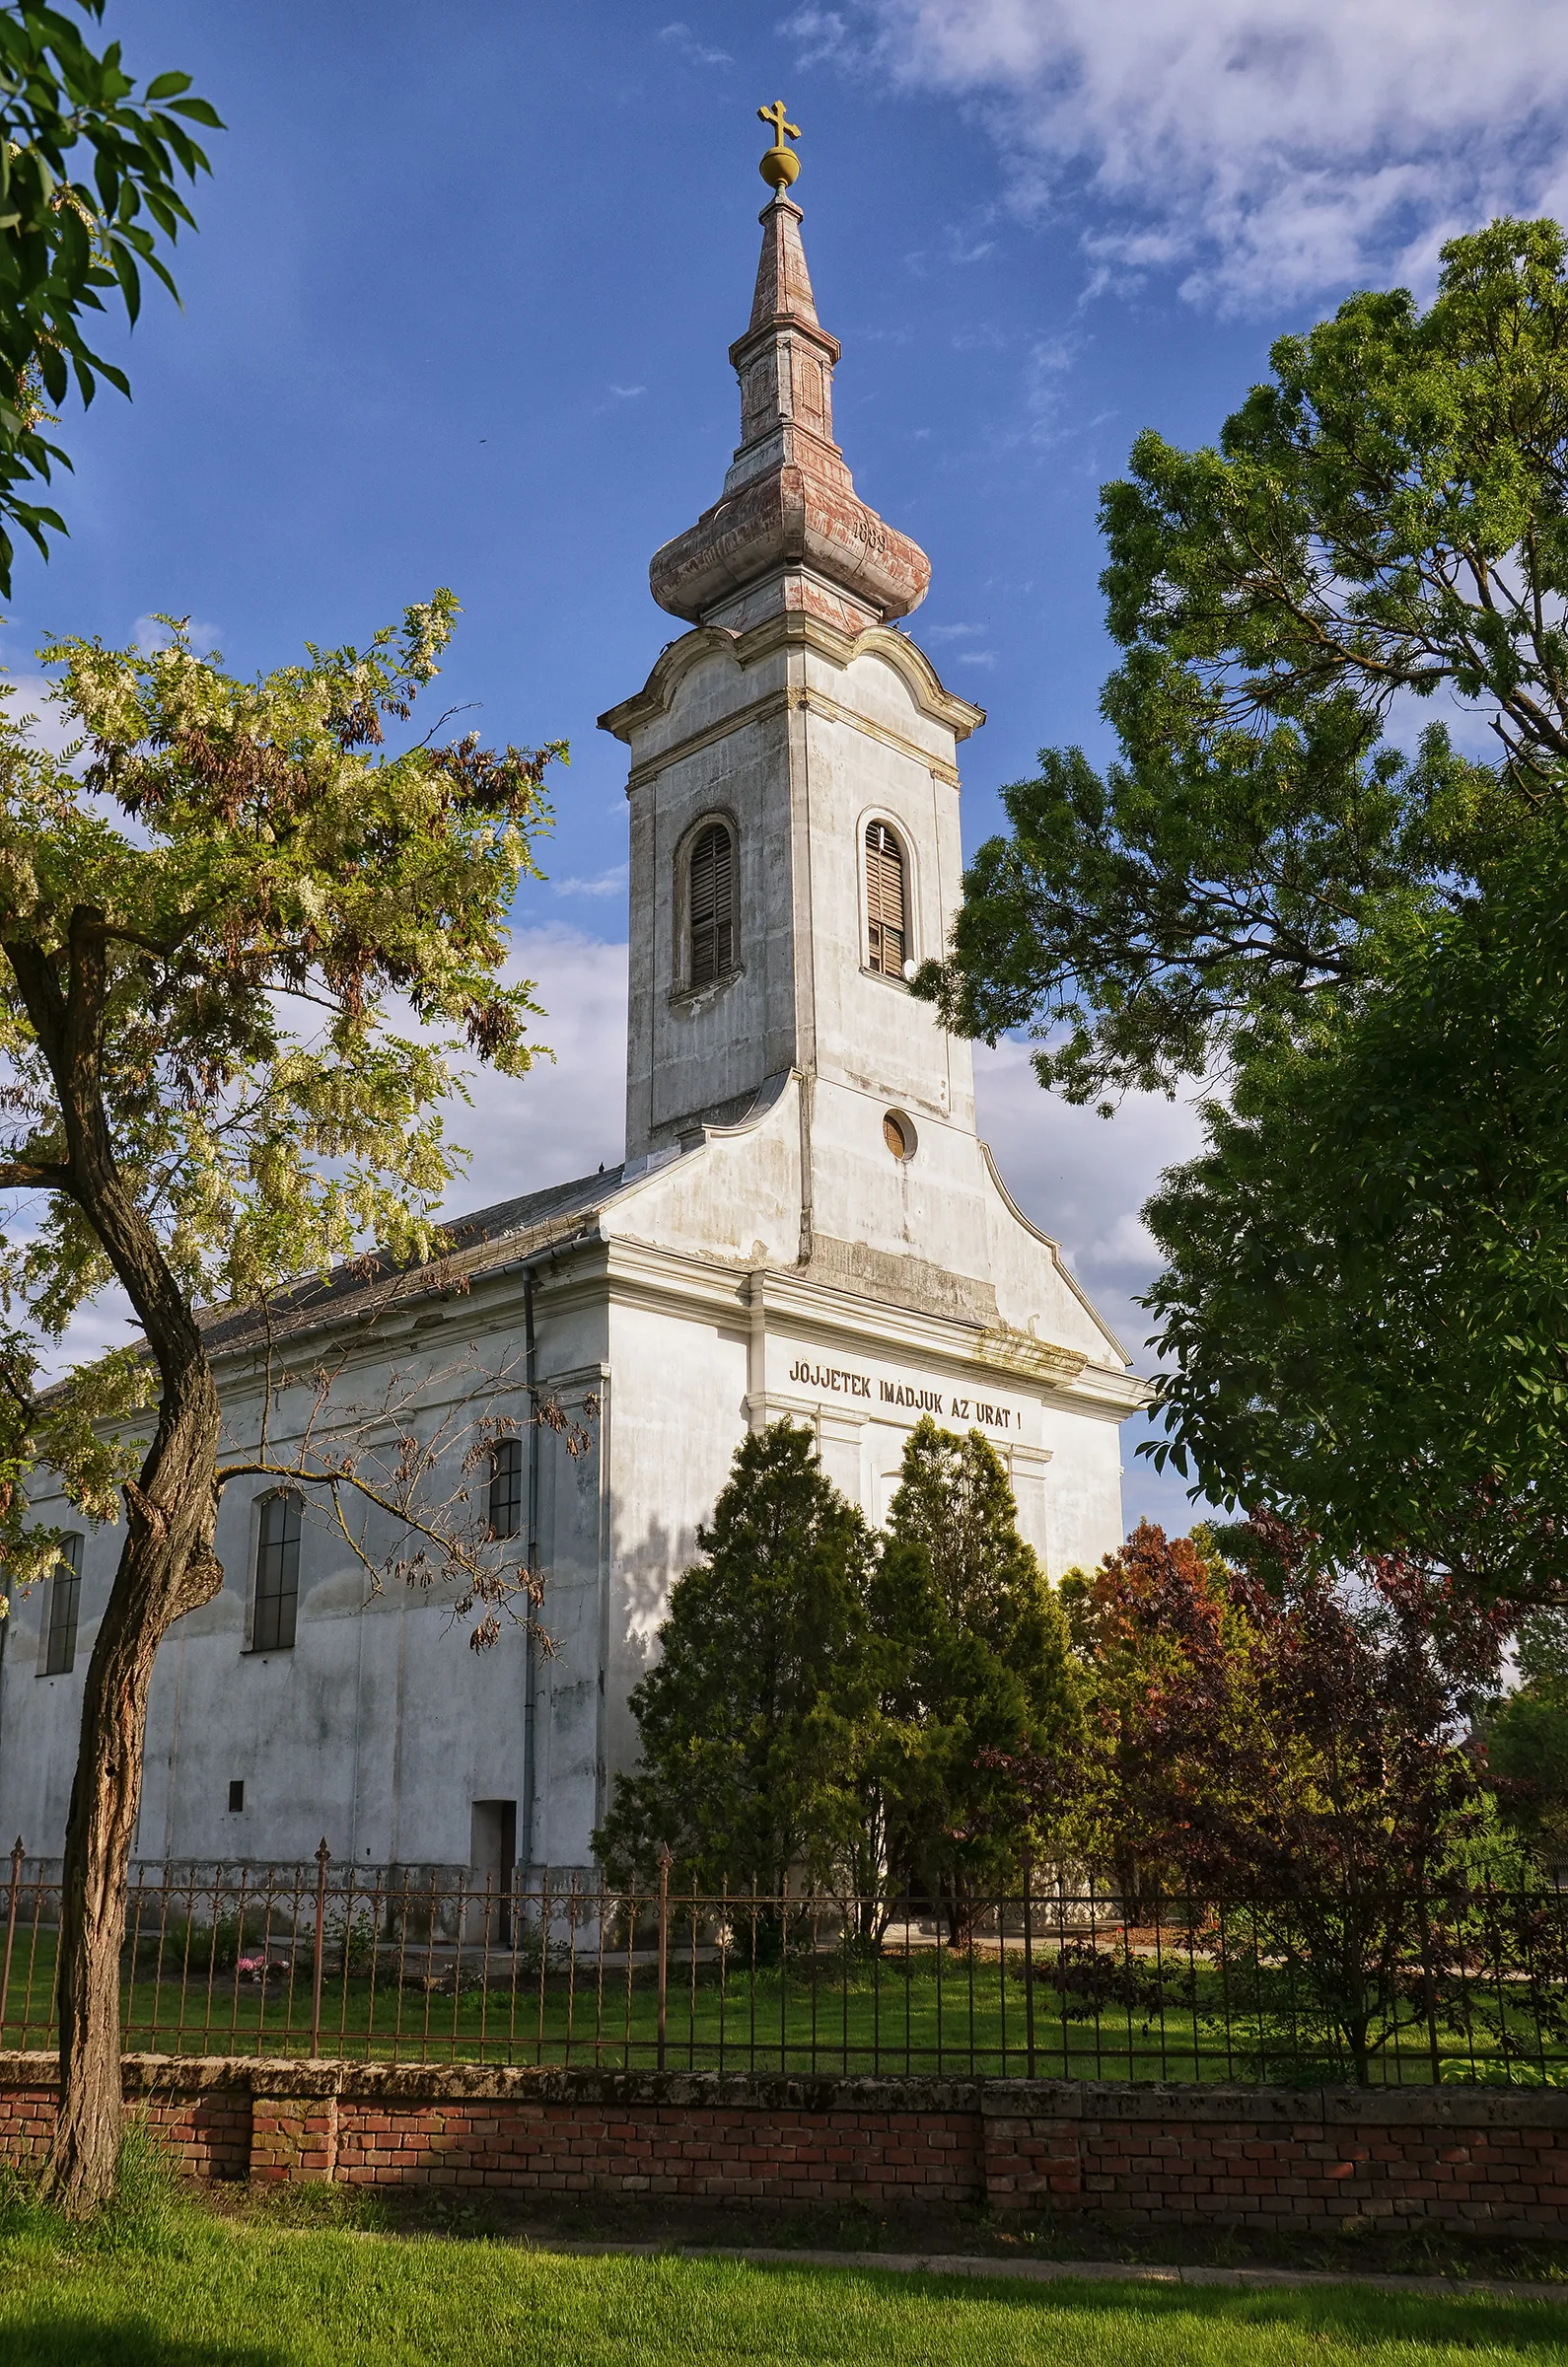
(385, 1455)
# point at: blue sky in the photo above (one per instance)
(459, 308)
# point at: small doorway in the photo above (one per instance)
(492, 1856)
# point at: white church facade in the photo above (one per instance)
(806, 1224)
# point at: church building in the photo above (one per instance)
(806, 1223)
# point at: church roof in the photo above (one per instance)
(789, 502)
(485, 1238)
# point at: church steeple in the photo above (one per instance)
(789, 531)
(795, 850)
(783, 283)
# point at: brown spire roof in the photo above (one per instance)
(783, 283)
(789, 530)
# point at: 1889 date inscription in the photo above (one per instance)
(917, 1395)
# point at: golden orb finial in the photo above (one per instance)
(779, 165)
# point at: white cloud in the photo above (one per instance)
(604, 882)
(106, 1321)
(681, 37)
(567, 1115)
(1084, 1180)
(151, 633)
(1050, 359)
(1267, 152)
(32, 706)
(820, 33)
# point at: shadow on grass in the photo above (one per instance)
(77, 2338)
(1358, 2315)
(1130, 2323)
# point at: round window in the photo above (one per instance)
(898, 1134)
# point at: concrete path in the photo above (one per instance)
(1048, 2272)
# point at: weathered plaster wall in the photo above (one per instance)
(379, 1728)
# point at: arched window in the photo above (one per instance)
(711, 906)
(277, 1576)
(887, 936)
(505, 1487)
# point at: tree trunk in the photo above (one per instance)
(167, 1567)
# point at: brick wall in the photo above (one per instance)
(1491, 2161)
(27, 2112)
(1487, 2160)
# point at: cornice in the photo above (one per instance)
(798, 628)
(836, 1316)
(701, 1289)
(739, 719)
(657, 695)
(793, 627)
(930, 693)
(817, 703)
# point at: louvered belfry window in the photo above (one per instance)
(884, 900)
(712, 905)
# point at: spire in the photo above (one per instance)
(789, 531)
(783, 283)
(785, 360)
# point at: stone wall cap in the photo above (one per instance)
(1456, 2107)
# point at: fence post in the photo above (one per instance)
(322, 1856)
(1428, 1983)
(1028, 1962)
(16, 1857)
(664, 1945)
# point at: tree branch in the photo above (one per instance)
(22, 1175)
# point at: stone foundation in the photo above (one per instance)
(1484, 2160)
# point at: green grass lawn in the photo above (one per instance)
(922, 2012)
(188, 2291)
(161, 2280)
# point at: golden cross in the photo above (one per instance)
(774, 115)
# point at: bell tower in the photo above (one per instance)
(795, 848)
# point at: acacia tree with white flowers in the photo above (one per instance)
(213, 909)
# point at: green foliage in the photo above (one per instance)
(210, 912)
(1526, 1737)
(826, 1713)
(1384, 519)
(1366, 1289)
(1134, 923)
(1364, 1302)
(974, 1674)
(753, 1720)
(90, 178)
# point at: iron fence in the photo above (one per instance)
(1064, 1980)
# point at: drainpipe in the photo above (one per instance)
(530, 1738)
